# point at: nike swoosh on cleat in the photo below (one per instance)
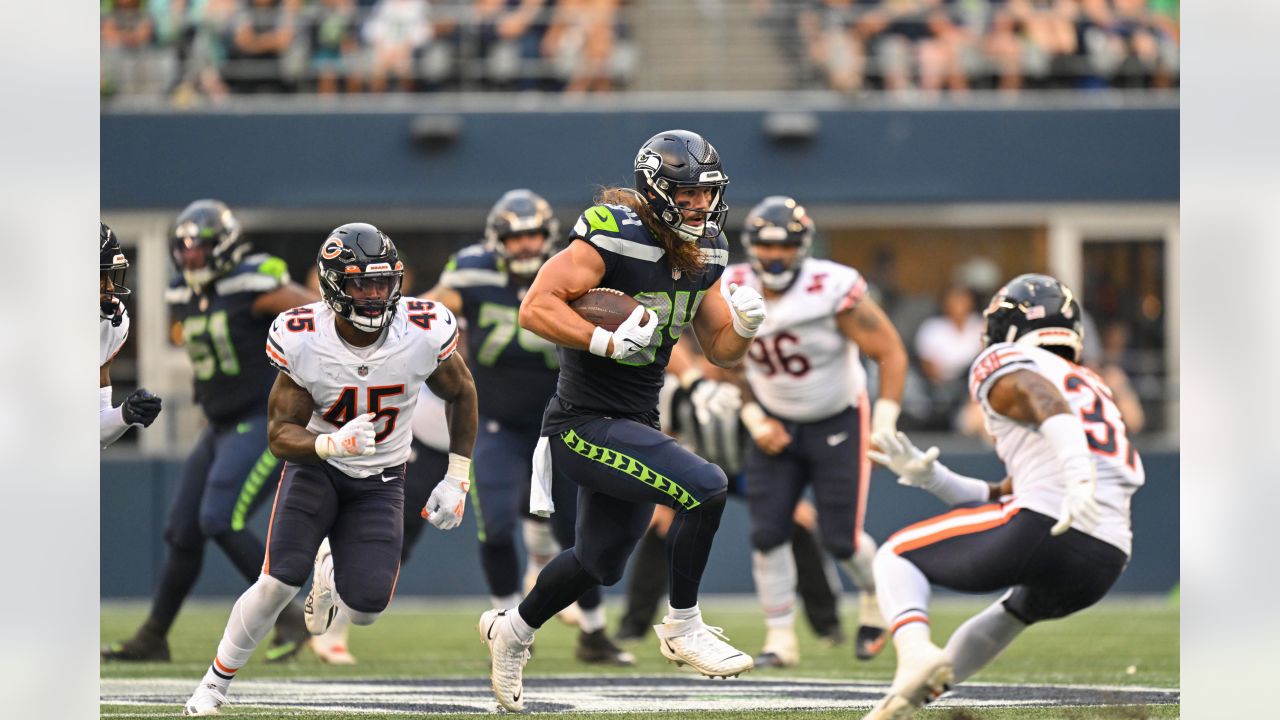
(489, 633)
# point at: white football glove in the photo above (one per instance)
(354, 438)
(447, 503)
(713, 399)
(1079, 508)
(913, 467)
(630, 337)
(748, 309)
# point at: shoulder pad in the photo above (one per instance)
(617, 229)
(996, 360)
(259, 272)
(472, 266)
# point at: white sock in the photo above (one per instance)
(774, 572)
(684, 613)
(504, 602)
(521, 628)
(860, 565)
(593, 619)
(539, 541)
(981, 638)
(900, 587)
(252, 618)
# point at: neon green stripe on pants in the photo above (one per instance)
(631, 466)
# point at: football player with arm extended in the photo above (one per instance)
(809, 415)
(141, 407)
(1062, 539)
(660, 243)
(515, 373)
(224, 297)
(350, 368)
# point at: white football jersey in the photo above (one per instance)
(800, 366)
(111, 337)
(384, 379)
(1038, 483)
(430, 425)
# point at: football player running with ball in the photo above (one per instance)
(515, 374)
(1062, 539)
(661, 244)
(809, 418)
(141, 407)
(350, 368)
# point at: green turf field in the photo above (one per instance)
(1121, 642)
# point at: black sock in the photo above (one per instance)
(501, 568)
(560, 583)
(648, 583)
(820, 603)
(688, 546)
(244, 550)
(177, 576)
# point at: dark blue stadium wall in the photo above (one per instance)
(882, 156)
(135, 495)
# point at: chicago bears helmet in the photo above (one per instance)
(207, 242)
(360, 275)
(677, 159)
(1036, 310)
(777, 220)
(112, 265)
(516, 212)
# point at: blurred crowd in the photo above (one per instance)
(212, 48)
(191, 49)
(956, 45)
(943, 335)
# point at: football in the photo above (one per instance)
(605, 307)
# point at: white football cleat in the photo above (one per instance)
(319, 608)
(781, 648)
(921, 678)
(331, 647)
(702, 647)
(205, 701)
(507, 656)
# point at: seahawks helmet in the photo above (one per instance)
(358, 258)
(516, 212)
(676, 159)
(1036, 310)
(112, 265)
(207, 242)
(777, 220)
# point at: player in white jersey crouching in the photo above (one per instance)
(1058, 543)
(809, 418)
(339, 414)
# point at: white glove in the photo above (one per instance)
(354, 438)
(713, 399)
(914, 468)
(447, 502)
(1079, 508)
(630, 337)
(748, 309)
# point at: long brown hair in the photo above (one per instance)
(685, 256)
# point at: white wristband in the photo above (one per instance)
(754, 417)
(884, 416)
(1065, 434)
(325, 447)
(459, 468)
(954, 489)
(600, 342)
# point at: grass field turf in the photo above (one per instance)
(438, 639)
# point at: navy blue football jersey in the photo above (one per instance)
(635, 263)
(514, 369)
(224, 338)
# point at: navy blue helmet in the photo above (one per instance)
(676, 159)
(1036, 310)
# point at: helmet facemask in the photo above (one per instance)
(661, 197)
(368, 299)
(112, 266)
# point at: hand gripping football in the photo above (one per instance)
(605, 307)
